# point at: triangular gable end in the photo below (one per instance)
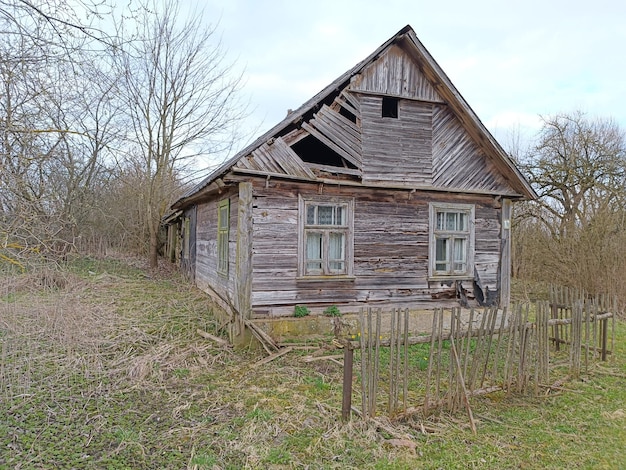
(422, 143)
(503, 173)
(393, 119)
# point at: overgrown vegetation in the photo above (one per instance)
(573, 235)
(108, 357)
(332, 311)
(300, 311)
(104, 110)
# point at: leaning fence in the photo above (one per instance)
(526, 349)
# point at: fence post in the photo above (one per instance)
(604, 337)
(348, 360)
(555, 330)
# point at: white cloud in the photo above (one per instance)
(511, 61)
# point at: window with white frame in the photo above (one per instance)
(451, 240)
(325, 237)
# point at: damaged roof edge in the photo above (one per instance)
(465, 108)
(293, 117)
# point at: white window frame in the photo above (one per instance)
(346, 228)
(436, 233)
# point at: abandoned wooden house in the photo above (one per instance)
(383, 189)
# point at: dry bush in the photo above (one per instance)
(589, 258)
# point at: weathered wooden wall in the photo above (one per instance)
(390, 248)
(187, 264)
(207, 277)
(395, 73)
(457, 161)
(397, 150)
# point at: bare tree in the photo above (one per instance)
(575, 232)
(54, 124)
(578, 167)
(56, 26)
(84, 114)
(182, 99)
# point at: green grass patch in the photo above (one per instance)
(111, 361)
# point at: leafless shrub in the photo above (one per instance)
(574, 234)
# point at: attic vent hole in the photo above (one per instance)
(390, 107)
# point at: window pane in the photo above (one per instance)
(462, 221)
(440, 220)
(223, 217)
(340, 215)
(222, 247)
(325, 215)
(441, 249)
(451, 220)
(313, 253)
(441, 255)
(313, 246)
(336, 249)
(313, 267)
(336, 266)
(460, 254)
(310, 215)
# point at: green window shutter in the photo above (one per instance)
(223, 224)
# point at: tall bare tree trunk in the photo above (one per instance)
(181, 101)
(154, 248)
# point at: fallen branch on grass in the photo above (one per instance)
(276, 355)
(322, 358)
(215, 339)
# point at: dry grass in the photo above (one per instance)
(101, 367)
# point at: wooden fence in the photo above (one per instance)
(470, 353)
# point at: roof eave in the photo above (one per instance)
(461, 108)
(441, 82)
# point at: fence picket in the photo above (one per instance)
(476, 362)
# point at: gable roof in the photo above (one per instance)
(439, 86)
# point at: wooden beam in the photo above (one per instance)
(505, 254)
(373, 185)
(335, 169)
(243, 268)
(315, 133)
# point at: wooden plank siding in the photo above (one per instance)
(456, 159)
(188, 256)
(397, 150)
(487, 244)
(390, 248)
(207, 277)
(425, 152)
(395, 74)
(276, 157)
(341, 131)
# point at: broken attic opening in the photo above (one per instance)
(311, 150)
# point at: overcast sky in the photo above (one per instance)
(511, 61)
